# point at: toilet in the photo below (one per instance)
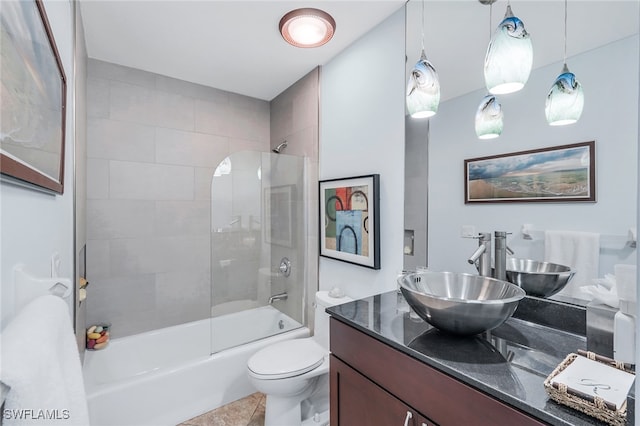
(294, 374)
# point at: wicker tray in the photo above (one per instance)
(594, 407)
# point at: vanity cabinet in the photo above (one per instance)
(360, 401)
(373, 384)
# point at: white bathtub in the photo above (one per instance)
(167, 376)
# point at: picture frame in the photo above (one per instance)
(279, 214)
(33, 99)
(350, 220)
(564, 173)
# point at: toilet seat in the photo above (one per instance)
(286, 359)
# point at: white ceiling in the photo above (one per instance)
(236, 46)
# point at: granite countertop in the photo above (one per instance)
(509, 363)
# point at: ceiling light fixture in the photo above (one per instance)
(307, 27)
(509, 57)
(423, 88)
(489, 123)
(565, 100)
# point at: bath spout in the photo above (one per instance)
(281, 296)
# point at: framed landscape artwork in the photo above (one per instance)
(32, 129)
(562, 174)
(349, 220)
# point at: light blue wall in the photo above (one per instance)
(362, 132)
(609, 76)
(35, 225)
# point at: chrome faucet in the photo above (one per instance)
(482, 256)
(500, 256)
(281, 296)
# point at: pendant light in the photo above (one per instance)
(489, 118)
(489, 122)
(509, 57)
(565, 99)
(423, 88)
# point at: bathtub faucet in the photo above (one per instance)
(281, 296)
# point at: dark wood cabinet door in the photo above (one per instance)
(437, 395)
(356, 400)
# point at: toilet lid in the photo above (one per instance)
(286, 359)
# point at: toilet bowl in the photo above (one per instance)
(294, 373)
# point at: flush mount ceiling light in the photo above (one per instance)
(509, 57)
(565, 99)
(423, 88)
(307, 27)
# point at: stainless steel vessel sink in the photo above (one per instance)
(460, 303)
(542, 279)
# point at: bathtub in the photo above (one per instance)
(167, 376)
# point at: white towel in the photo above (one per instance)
(578, 250)
(41, 365)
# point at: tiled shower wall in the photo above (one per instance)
(153, 145)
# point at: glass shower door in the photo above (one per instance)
(253, 216)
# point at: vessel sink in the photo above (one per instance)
(541, 279)
(459, 303)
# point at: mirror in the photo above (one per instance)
(610, 118)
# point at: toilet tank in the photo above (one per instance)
(321, 323)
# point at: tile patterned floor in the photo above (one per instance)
(247, 411)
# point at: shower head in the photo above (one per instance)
(280, 147)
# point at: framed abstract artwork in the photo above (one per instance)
(32, 129)
(563, 173)
(350, 220)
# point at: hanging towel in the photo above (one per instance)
(578, 250)
(41, 366)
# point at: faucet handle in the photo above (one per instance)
(482, 236)
(285, 267)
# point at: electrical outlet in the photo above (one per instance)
(468, 231)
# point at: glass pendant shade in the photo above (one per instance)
(509, 57)
(565, 100)
(489, 115)
(423, 89)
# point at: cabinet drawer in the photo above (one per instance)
(440, 397)
(356, 400)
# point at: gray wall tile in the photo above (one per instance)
(174, 111)
(196, 91)
(130, 102)
(111, 219)
(141, 181)
(203, 178)
(97, 178)
(153, 145)
(190, 148)
(176, 218)
(120, 140)
(97, 97)
(116, 72)
(98, 260)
